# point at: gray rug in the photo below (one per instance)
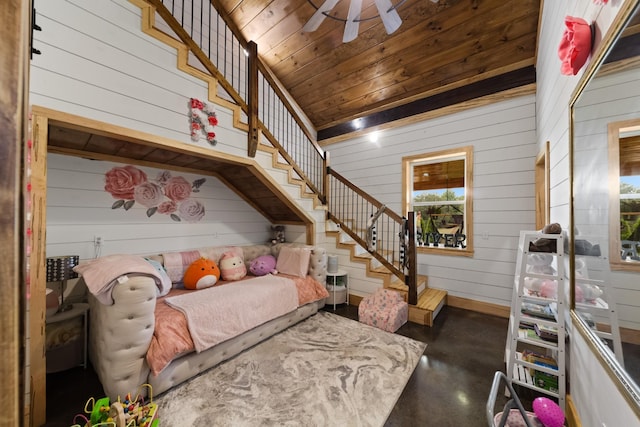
(324, 371)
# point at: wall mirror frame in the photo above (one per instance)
(594, 122)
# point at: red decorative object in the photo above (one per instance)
(202, 118)
(601, 2)
(575, 45)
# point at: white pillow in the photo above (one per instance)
(293, 261)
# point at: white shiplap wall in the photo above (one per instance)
(598, 401)
(79, 209)
(504, 141)
(97, 63)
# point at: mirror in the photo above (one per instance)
(605, 213)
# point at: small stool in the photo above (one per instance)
(385, 309)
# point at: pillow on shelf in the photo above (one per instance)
(232, 266)
(293, 261)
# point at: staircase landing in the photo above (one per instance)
(430, 301)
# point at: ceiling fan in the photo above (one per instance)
(386, 11)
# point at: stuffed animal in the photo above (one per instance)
(543, 244)
(202, 273)
(263, 265)
(232, 267)
(278, 234)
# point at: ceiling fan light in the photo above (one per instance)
(389, 15)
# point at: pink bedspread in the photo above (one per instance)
(171, 337)
(213, 316)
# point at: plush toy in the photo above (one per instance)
(263, 265)
(278, 234)
(543, 244)
(549, 289)
(202, 273)
(232, 267)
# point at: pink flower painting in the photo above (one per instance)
(166, 195)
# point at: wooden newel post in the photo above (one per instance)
(253, 100)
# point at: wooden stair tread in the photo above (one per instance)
(431, 298)
(400, 286)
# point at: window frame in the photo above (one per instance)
(408, 163)
(614, 129)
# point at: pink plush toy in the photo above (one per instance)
(263, 265)
(232, 267)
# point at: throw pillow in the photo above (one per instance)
(293, 261)
(202, 273)
(232, 266)
(166, 281)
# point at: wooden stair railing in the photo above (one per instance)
(214, 40)
(386, 236)
(203, 27)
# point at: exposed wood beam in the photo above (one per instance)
(493, 85)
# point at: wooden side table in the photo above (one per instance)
(73, 352)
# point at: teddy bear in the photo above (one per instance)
(202, 273)
(232, 267)
(263, 265)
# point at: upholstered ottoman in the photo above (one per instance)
(385, 309)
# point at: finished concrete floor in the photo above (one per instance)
(449, 387)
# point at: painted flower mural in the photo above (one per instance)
(167, 194)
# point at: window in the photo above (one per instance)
(624, 170)
(437, 187)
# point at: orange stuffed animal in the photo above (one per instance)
(202, 273)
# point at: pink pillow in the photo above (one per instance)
(293, 261)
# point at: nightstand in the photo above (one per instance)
(67, 338)
(338, 287)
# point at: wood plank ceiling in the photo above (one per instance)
(465, 48)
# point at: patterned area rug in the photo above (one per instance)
(325, 371)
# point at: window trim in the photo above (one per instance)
(407, 189)
(613, 135)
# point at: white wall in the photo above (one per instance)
(504, 141)
(597, 399)
(97, 63)
(80, 209)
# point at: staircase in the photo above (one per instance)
(295, 161)
(430, 300)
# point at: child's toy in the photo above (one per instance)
(127, 413)
(278, 234)
(548, 412)
(263, 265)
(202, 273)
(549, 289)
(232, 267)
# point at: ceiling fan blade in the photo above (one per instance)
(314, 22)
(351, 27)
(389, 15)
